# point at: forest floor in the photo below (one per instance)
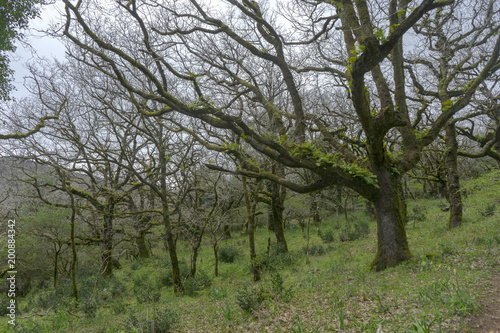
(324, 284)
(488, 318)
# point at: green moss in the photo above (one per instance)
(307, 150)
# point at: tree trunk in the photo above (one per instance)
(277, 208)
(73, 250)
(195, 247)
(140, 242)
(56, 265)
(194, 259)
(170, 239)
(453, 180)
(215, 247)
(172, 251)
(315, 214)
(270, 219)
(107, 245)
(392, 247)
(251, 228)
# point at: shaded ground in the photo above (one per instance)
(488, 318)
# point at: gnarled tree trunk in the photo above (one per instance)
(392, 247)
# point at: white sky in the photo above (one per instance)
(37, 41)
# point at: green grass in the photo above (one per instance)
(332, 291)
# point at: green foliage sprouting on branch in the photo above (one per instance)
(14, 17)
(308, 150)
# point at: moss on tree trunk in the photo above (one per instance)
(452, 177)
(392, 247)
(107, 246)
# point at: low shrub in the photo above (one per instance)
(196, 283)
(489, 210)
(249, 299)
(279, 288)
(89, 307)
(328, 236)
(228, 254)
(358, 229)
(277, 258)
(146, 293)
(418, 214)
(314, 250)
(45, 299)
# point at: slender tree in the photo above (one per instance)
(251, 201)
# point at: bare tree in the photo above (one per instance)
(207, 63)
(457, 40)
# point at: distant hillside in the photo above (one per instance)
(13, 190)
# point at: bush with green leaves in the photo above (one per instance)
(489, 210)
(102, 289)
(148, 274)
(194, 284)
(45, 299)
(314, 250)
(250, 298)
(279, 289)
(89, 307)
(164, 278)
(146, 293)
(418, 214)
(328, 236)
(357, 229)
(228, 253)
(277, 259)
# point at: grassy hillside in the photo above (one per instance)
(330, 290)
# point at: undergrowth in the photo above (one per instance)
(322, 284)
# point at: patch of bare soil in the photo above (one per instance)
(488, 318)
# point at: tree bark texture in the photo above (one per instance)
(453, 179)
(215, 247)
(74, 258)
(107, 246)
(392, 245)
(251, 205)
(172, 251)
(141, 244)
(277, 208)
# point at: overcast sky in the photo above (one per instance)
(38, 42)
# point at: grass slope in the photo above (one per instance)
(330, 291)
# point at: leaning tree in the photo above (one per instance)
(212, 60)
